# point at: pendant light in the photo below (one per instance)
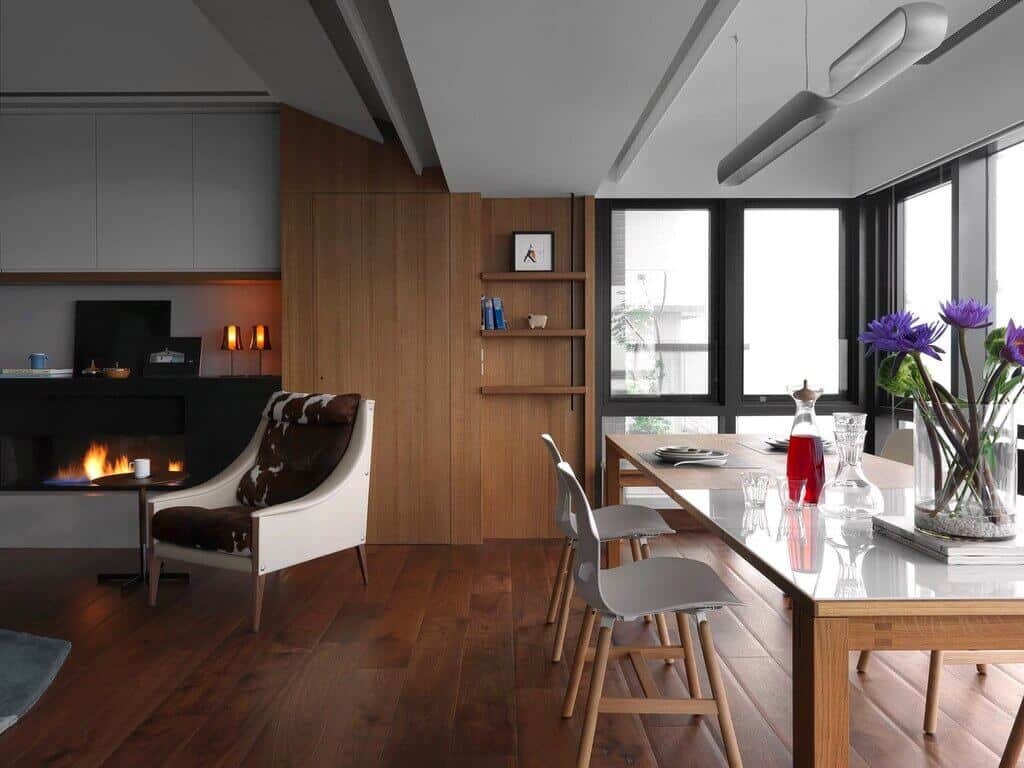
(893, 45)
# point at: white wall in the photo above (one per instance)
(973, 92)
(74, 46)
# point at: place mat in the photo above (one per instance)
(762, 448)
(732, 462)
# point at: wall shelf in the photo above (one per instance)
(542, 333)
(534, 277)
(139, 278)
(528, 389)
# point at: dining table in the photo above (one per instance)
(850, 588)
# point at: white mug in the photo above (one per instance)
(141, 467)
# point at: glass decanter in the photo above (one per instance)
(805, 456)
(850, 495)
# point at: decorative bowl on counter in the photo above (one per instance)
(117, 372)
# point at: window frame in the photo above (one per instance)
(725, 398)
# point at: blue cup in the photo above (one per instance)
(37, 360)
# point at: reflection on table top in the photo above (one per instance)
(829, 559)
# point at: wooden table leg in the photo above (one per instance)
(612, 495)
(821, 691)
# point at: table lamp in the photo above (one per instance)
(260, 341)
(232, 342)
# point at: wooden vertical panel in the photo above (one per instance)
(382, 318)
(589, 351)
(466, 233)
(821, 713)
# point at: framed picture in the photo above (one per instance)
(533, 251)
(170, 356)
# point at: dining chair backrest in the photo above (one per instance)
(900, 446)
(587, 567)
(564, 517)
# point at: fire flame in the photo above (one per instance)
(175, 466)
(95, 464)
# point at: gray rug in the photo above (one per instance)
(28, 664)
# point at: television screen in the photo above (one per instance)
(118, 332)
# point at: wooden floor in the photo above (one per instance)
(441, 661)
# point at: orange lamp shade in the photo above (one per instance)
(260, 338)
(232, 338)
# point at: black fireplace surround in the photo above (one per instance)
(46, 426)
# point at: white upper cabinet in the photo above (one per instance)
(47, 193)
(237, 199)
(134, 192)
(144, 192)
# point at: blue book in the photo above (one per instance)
(499, 315)
(488, 314)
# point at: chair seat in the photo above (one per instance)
(623, 521)
(663, 585)
(221, 529)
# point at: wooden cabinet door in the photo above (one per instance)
(47, 193)
(382, 329)
(237, 192)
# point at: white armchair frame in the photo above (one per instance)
(327, 520)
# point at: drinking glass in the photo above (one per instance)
(755, 488)
(791, 490)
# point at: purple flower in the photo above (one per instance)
(966, 313)
(900, 333)
(1013, 350)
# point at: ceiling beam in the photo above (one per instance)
(709, 23)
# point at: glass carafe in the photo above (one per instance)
(805, 456)
(850, 495)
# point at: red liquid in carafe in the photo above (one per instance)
(805, 460)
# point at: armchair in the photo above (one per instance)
(282, 502)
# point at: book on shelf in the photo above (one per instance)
(36, 373)
(950, 551)
(487, 311)
(499, 315)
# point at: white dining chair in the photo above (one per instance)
(632, 522)
(653, 586)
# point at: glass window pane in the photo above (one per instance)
(927, 221)
(779, 426)
(659, 317)
(791, 300)
(1008, 233)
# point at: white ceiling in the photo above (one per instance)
(536, 96)
(682, 155)
(70, 46)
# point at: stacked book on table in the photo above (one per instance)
(35, 373)
(950, 551)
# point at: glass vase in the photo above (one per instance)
(965, 488)
(850, 495)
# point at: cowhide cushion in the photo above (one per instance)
(227, 529)
(306, 437)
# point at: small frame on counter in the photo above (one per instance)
(169, 356)
(533, 251)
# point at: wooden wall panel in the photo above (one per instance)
(518, 481)
(382, 329)
(317, 157)
(466, 240)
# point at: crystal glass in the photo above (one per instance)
(850, 495)
(957, 496)
(791, 490)
(755, 488)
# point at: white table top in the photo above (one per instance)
(828, 559)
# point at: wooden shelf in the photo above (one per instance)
(543, 333)
(526, 389)
(534, 277)
(140, 278)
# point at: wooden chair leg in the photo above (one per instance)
(982, 669)
(563, 615)
(690, 661)
(666, 638)
(559, 586)
(259, 581)
(604, 642)
(732, 747)
(931, 702)
(155, 563)
(634, 547)
(361, 557)
(862, 661)
(579, 659)
(1014, 744)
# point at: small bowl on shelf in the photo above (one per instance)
(116, 372)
